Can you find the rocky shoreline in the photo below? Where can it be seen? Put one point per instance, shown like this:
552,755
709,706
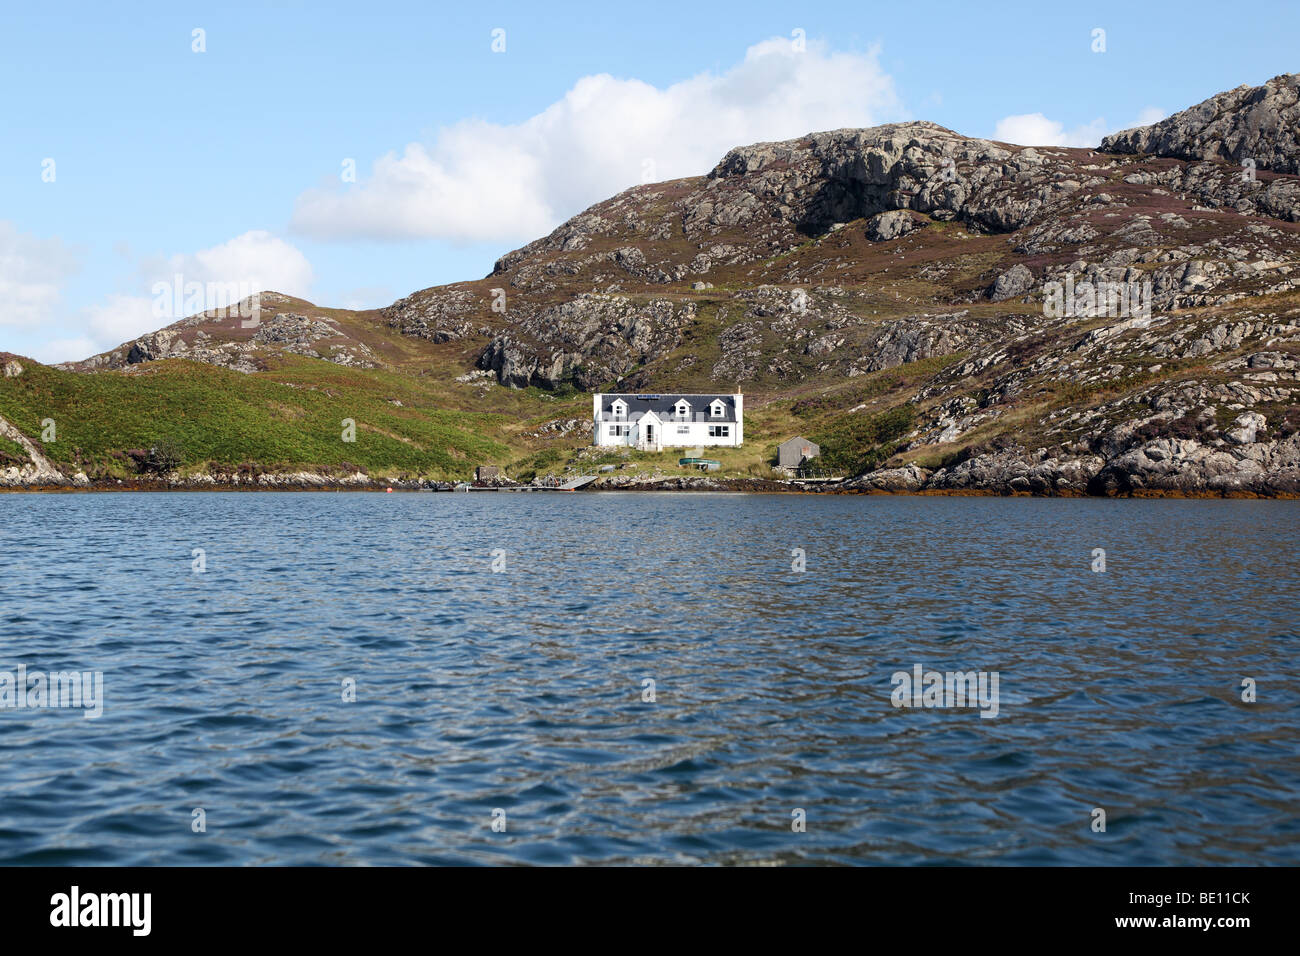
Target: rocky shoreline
1163,469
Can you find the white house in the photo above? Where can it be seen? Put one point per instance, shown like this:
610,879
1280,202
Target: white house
654,422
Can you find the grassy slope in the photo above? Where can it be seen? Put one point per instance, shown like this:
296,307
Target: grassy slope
287,418
291,418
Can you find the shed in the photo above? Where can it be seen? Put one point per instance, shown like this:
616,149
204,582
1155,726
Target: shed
794,452
486,472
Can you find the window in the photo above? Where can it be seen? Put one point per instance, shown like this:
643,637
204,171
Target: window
718,409
618,409
683,429
683,409
719,431
619,430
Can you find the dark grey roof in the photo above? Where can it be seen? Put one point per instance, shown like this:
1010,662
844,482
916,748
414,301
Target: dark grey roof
663,405
798,441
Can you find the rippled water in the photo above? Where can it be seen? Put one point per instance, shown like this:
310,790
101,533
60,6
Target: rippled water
523,690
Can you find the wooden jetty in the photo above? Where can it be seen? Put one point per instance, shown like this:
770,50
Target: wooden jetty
549,483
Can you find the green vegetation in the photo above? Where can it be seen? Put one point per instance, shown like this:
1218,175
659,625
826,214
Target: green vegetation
873,386
858,443
193,417
542,463
295,417
11,453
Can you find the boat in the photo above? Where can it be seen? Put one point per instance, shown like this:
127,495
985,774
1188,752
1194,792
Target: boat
703,464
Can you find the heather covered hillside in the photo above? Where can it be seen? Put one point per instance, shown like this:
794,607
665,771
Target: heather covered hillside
940,313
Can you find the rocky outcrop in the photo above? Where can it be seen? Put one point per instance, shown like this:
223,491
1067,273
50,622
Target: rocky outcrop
439,316
1163,466
521,364
908,478
1013,471
556,311
1257,125
1016,281
589,340
836,177
891,225
916,338
1188,467
38,471
240,340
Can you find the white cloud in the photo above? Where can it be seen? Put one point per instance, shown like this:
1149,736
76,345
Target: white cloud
114,321
486,181
1035,129
64,350
255,260
365,297
32,272
1152,114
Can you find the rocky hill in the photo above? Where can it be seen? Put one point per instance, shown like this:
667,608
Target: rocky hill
942,313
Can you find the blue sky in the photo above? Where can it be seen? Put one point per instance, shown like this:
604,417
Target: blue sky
228,164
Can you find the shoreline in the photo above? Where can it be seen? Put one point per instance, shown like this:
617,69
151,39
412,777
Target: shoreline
677,484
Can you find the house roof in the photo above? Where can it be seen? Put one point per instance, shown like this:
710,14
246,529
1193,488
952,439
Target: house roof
797,441
663,405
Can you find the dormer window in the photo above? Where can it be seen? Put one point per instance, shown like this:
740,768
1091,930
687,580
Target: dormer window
618,409
717,409
683,409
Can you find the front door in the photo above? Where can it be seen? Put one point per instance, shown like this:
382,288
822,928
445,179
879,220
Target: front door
649,434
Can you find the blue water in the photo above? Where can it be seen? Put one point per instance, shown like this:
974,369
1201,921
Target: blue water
522,690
